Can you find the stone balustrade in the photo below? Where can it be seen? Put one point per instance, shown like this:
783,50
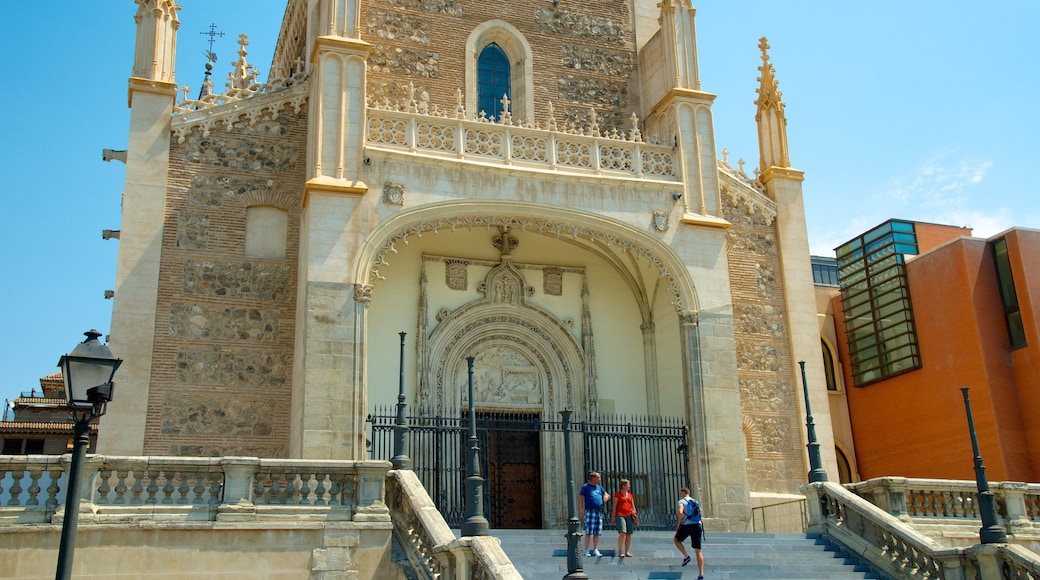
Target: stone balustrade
898,549
328,516
193,489
950,508
527,145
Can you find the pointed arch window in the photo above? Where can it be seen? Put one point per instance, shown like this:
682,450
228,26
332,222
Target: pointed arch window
493,80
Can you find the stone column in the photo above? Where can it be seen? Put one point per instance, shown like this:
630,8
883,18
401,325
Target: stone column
717,462
151,95
653,395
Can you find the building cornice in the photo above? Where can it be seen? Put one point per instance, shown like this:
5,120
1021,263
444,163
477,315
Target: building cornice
684,95
140,85
331,186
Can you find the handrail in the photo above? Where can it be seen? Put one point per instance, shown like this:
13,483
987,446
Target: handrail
897,549
431,547
803,514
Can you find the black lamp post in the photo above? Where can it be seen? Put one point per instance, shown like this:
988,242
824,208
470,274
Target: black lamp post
87,372
991,532
476,524
816,472
400,460
575,568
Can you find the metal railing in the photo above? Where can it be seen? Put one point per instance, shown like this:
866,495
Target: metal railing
651,452
786,516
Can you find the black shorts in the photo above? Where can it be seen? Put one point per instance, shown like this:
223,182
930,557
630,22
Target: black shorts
693,531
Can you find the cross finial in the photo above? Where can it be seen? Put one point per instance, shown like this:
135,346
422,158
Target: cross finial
243,42
725,155
764,46
212,34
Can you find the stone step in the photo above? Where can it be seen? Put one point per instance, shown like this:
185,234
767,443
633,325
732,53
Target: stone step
543,554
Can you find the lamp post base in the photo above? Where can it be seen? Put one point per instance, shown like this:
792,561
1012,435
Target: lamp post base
575,568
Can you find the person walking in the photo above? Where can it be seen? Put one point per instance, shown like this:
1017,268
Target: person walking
592,512
625,518
689,526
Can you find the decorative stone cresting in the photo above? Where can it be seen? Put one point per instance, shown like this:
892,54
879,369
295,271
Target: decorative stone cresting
205,112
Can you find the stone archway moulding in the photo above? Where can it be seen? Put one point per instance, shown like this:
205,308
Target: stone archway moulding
377,249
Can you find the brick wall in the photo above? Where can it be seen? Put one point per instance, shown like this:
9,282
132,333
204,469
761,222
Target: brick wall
583,53
768,401
225,322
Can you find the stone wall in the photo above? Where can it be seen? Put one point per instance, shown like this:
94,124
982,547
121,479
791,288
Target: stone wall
583,54
225,322
768,400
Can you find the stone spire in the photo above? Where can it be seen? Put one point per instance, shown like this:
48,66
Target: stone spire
679,34
244,74
772,124
154,53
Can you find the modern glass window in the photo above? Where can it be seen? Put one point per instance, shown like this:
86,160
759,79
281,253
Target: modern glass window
824,271
875,295
492,80
1008,295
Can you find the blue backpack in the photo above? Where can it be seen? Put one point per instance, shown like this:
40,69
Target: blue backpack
692,509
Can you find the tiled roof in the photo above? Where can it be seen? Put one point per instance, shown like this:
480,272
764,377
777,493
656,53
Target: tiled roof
30,427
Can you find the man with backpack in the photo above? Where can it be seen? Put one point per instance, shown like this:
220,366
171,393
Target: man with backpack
689,526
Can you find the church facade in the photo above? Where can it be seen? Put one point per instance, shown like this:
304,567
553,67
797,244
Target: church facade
534,185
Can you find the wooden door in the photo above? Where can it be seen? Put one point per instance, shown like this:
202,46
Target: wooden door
514,481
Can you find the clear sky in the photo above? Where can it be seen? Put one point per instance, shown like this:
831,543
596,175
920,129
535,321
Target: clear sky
920,110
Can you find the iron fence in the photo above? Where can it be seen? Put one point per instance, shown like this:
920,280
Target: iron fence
651,452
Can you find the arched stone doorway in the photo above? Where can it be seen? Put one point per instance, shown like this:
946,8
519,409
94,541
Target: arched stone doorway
531,359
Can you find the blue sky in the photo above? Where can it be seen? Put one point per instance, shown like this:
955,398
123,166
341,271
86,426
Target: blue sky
916,110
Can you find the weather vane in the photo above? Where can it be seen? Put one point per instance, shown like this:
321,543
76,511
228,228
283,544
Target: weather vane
212,34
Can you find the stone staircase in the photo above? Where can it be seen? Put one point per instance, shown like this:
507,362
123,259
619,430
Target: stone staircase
543,554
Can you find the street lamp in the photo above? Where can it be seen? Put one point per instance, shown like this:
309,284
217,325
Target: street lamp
476,524
575,563
87,373
991,532
816,472
400,460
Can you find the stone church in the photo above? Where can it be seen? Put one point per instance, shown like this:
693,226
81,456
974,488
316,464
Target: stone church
532,184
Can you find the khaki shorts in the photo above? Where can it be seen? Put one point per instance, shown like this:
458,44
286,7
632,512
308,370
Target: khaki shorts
625,524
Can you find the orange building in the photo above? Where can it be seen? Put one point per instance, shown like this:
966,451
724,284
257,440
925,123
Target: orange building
923,311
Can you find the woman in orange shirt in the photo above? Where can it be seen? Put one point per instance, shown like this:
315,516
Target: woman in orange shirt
625,518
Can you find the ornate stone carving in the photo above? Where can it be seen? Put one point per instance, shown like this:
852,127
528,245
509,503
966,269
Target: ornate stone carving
442,314
363,293
552,281
660,221
393,193
688,318
455,274
504,376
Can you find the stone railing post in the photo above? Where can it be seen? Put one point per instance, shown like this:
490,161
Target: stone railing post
88,484
814,498
953,564
370,492
1014,493
237,504
895,488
